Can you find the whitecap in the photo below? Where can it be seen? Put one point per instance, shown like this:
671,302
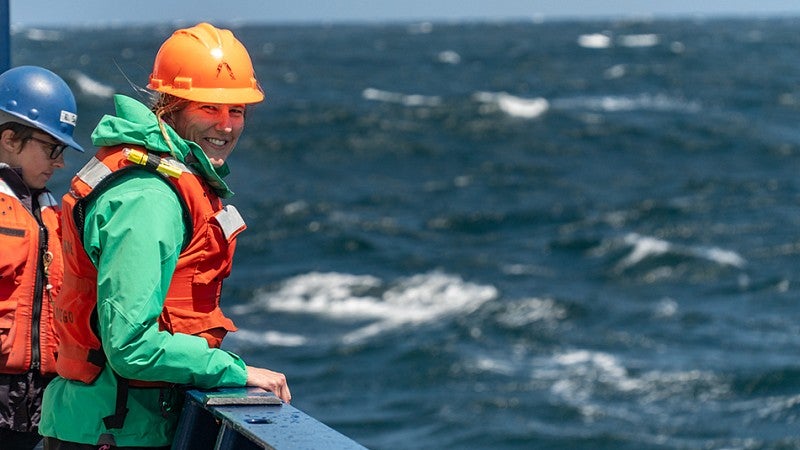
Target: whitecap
296,207
614,103
594,40
720,256
594,366
647,246
531,310
404,99
666,307
643,247
37,34
373,306
638,40
592,381
615,71
267,338
677,47
526,108
495,365
522,107
92,87
449,57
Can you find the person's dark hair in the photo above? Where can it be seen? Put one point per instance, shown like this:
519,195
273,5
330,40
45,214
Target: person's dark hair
21,132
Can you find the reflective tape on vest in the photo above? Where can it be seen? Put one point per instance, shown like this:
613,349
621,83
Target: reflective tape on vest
93,172
231,221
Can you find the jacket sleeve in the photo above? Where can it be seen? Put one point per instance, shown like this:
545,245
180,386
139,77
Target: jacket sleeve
133,233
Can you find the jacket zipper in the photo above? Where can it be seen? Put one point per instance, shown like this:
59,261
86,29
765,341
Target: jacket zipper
42,269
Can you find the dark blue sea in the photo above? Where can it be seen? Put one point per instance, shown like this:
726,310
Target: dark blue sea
509,235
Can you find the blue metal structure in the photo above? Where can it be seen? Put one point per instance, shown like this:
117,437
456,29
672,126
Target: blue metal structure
5,36
251,419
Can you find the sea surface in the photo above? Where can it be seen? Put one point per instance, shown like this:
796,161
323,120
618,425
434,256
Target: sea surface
509,235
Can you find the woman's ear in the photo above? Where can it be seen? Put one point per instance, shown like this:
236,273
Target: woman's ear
9,142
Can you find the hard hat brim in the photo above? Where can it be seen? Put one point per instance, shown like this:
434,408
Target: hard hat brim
214,95
6,116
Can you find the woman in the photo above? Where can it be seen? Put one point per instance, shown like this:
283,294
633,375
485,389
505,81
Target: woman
151,242
37,118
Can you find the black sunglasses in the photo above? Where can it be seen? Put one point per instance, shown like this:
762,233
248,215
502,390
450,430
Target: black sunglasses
56,149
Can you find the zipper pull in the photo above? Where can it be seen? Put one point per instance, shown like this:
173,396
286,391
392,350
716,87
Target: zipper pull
47,259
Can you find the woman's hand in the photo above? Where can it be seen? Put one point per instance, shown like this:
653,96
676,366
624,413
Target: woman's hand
274,382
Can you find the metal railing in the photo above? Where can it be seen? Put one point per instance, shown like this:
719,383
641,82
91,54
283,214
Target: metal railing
250,419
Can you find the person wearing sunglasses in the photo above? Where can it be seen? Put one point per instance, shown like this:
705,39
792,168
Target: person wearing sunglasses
37,117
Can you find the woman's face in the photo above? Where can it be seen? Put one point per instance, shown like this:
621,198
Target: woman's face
214,127
32,155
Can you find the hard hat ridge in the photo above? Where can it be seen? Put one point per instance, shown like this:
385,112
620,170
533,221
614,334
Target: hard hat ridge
205,64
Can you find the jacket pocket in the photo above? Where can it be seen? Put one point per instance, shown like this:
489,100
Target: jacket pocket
212,325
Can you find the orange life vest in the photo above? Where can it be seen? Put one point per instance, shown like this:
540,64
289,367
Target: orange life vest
31,271
192,302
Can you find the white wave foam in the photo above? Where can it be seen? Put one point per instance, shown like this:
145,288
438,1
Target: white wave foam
449,57
643,247
37,34
267,338
646,247
494,365
594,40
415,300
606,40
615,71
92,87
531,310
526,108
724,257
666,307
776,407
590,381
638,40
677,47
612,103
404,99
578,374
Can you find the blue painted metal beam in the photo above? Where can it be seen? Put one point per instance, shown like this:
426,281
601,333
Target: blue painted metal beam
251,419
5,36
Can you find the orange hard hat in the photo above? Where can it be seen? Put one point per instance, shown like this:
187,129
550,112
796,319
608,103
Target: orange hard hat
205,64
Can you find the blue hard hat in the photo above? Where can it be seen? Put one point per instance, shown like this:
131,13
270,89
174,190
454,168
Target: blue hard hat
37,97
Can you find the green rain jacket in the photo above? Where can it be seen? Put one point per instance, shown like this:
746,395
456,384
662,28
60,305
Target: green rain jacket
136,254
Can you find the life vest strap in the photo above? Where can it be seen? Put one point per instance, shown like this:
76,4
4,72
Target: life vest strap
117,420
96,357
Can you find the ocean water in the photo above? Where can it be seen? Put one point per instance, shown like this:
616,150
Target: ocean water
509,235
